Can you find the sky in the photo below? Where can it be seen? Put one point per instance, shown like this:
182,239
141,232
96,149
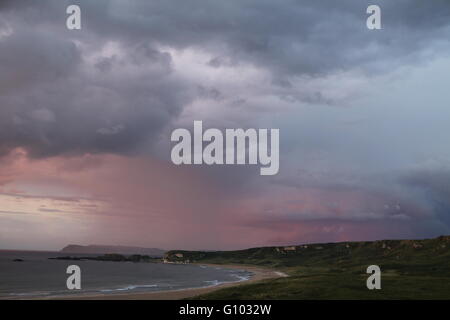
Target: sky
86,118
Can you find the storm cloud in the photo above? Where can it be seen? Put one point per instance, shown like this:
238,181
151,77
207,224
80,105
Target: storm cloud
61,91
363,116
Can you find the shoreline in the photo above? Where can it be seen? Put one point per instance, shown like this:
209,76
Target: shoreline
258,274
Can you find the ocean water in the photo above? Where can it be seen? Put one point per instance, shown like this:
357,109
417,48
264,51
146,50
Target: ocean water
37,276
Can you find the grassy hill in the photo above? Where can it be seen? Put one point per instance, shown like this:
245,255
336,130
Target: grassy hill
411,269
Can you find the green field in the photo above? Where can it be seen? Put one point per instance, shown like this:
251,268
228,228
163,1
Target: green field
411,269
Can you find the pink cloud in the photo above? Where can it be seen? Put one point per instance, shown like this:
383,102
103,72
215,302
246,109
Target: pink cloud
143,201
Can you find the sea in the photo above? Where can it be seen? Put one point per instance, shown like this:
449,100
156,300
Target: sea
38,276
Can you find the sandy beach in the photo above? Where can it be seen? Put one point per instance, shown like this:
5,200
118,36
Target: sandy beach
258,275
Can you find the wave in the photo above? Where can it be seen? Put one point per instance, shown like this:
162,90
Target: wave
240,277
130,287
213,283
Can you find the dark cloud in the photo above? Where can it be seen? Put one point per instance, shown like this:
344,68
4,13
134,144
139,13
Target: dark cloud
435,187
54,101
32,58
61,94
293,37
290,38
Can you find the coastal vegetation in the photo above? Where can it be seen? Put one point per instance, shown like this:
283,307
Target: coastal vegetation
410,269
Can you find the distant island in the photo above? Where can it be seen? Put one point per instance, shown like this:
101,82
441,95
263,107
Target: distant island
124,250
113,257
